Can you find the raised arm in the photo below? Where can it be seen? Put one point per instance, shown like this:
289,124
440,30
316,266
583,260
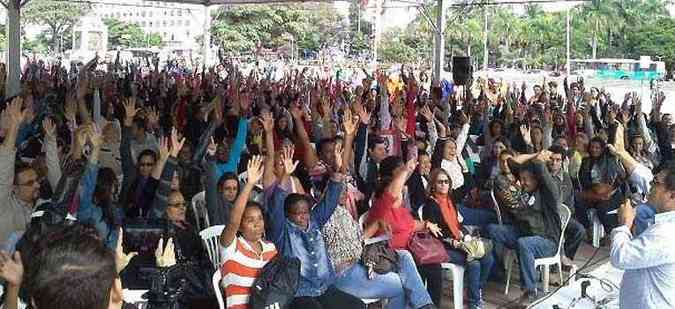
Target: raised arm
268,126
396,185
324,210
211,185
349,124
12,117
52,153
254,173
310,158
160,202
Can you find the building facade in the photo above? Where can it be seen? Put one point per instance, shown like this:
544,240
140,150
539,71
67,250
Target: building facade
178,24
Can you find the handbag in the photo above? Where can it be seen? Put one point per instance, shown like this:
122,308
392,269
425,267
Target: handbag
277,283
427,249
475,247
379,257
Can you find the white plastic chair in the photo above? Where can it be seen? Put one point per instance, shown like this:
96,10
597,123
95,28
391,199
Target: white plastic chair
457,272
217,276
545,262
211,236
495,206
362,224
199,210
598,230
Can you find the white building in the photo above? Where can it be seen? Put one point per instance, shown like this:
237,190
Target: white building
178,24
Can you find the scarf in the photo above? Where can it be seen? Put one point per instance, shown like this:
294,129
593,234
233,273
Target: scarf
449,214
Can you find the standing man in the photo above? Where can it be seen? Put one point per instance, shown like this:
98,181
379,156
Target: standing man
648,259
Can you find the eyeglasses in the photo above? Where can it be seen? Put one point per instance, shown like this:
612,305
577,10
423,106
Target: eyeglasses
443,181
230,188
146,164
177,205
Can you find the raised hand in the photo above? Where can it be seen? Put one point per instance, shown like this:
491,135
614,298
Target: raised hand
349,122
122,259
11,268
96,137
16,115
338,158
165,257
544,155
525,133
426,113
70,109
267,121
287,158
255,169
152,117
176,143
130,110
49,127
364,115
163,148
211,149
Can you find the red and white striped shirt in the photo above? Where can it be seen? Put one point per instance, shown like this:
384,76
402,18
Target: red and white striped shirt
241,266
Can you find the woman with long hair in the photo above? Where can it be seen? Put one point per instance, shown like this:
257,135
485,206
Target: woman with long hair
440,210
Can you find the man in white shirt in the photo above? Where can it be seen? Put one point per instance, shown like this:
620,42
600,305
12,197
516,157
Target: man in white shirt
649,258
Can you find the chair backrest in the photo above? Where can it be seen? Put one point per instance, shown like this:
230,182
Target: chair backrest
565,215
211,236
495,205
217,276
199,211
362,221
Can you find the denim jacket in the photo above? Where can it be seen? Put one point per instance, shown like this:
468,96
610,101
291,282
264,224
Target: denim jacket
316,271
90,213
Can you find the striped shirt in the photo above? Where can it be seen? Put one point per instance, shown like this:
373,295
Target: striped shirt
241,266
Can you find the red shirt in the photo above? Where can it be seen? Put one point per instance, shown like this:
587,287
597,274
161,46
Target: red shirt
399,218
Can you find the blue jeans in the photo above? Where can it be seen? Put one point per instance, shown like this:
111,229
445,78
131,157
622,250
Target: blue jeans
644,217
477,272
477,216
528,248
404,289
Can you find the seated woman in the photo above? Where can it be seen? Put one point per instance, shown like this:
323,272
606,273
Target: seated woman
244,251
344,243
296,224
440,210
388,207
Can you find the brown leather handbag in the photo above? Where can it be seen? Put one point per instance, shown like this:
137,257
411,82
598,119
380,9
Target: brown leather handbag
427,249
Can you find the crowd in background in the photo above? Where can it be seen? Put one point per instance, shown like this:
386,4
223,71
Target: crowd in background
311,167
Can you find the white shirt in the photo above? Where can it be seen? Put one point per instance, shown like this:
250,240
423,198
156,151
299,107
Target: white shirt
648,261
453,167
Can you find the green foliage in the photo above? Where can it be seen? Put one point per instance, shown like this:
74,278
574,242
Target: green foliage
311,26
130,35
58,16
656,38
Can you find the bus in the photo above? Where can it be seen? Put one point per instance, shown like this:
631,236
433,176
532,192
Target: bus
627,69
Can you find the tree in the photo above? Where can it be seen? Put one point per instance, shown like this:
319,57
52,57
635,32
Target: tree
655,39
312,26
130,35
58,16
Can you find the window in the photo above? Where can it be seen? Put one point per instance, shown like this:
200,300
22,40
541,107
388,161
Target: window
187,23
172,23
150,14
171,13
150,24
143,23
179,12
187,33
164,12
180,23
164,23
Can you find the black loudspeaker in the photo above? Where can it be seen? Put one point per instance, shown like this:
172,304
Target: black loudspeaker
461,69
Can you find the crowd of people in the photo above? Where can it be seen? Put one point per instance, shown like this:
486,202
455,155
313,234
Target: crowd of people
314,168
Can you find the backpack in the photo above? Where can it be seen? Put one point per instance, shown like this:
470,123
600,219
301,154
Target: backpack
277,283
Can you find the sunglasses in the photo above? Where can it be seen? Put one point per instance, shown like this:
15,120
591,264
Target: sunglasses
443,181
